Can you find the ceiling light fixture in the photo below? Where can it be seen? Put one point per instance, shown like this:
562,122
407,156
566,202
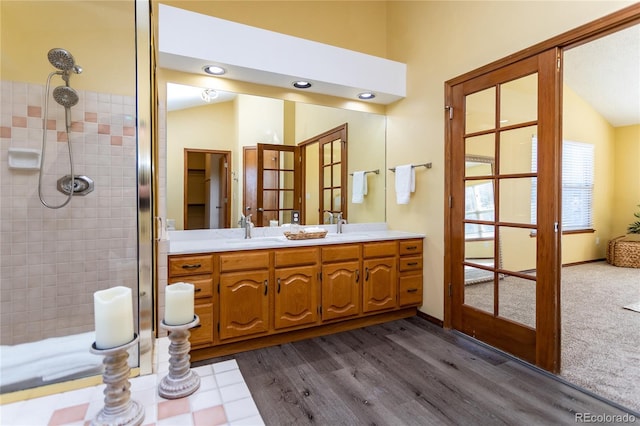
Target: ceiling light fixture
366,95
208,95
214,70
301,84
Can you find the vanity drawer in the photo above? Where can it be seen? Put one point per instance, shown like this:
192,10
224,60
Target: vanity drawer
379,249
410,289
190,265
410,263
341,252
243,261
408,247
295,257
203,284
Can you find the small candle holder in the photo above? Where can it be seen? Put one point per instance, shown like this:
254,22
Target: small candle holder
119,408
181,380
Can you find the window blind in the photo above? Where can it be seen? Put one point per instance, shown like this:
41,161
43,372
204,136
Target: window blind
577,184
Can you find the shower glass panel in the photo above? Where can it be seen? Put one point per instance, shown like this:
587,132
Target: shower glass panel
54,260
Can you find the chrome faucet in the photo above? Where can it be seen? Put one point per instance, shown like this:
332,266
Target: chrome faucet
330,216
247,226
339,223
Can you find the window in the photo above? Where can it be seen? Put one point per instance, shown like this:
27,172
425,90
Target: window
577,185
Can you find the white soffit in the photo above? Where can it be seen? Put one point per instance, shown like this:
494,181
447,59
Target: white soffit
188,41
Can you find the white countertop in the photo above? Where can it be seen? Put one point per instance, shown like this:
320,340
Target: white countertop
219,240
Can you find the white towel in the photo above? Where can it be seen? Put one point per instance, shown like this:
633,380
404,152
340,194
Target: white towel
359,187
405,183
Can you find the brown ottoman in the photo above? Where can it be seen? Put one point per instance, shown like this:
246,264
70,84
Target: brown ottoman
623,253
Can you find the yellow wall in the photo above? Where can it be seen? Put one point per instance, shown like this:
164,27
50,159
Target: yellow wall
99,34
354,25
581,123
626,195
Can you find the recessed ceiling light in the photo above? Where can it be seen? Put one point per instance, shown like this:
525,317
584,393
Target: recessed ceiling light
301,84
214,70
366,95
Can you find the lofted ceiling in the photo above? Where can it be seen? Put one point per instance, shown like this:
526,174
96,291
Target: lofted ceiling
606,74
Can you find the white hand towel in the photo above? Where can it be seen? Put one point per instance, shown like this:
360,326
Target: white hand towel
405,183
359,187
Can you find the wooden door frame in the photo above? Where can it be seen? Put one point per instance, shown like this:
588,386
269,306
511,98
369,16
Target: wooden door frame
549,356
227,156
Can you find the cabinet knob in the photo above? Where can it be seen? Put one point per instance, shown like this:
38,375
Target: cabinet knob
357,275
278,285
412,263
266,286
412,290
366,274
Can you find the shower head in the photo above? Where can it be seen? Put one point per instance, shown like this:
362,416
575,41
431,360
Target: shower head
65,96
63,60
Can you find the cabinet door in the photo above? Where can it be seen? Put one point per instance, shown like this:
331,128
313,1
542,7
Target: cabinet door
244,303
340,290
296,299
380,284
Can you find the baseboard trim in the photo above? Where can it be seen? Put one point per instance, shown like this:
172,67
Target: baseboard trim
431,319
584,262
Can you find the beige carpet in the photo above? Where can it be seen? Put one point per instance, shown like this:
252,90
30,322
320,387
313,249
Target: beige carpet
600,337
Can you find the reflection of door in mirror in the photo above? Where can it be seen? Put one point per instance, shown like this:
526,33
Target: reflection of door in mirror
271,183
206,189
325,176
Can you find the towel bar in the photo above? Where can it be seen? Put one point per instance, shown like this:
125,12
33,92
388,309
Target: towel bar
376,171
413,166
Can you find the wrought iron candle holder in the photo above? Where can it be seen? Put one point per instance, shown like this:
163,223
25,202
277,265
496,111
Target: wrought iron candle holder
181,380
119,408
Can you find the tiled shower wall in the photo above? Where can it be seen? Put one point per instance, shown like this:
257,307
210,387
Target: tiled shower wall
52,261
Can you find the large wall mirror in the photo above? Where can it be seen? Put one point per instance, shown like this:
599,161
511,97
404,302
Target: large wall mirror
210,138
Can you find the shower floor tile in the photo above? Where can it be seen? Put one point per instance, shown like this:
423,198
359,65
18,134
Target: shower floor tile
222,399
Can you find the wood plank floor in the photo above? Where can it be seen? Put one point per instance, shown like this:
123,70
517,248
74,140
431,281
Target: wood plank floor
406,372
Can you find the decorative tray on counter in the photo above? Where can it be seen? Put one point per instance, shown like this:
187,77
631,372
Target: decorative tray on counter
305,235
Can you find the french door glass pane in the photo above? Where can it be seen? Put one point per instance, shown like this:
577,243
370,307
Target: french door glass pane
479,288
337,150
515,200
519,101
480,148
517,299
517,250
515,147
480,110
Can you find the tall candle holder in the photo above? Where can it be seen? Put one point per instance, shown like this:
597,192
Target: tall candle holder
119,408
181,380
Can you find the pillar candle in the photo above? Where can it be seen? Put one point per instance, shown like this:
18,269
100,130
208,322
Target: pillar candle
113,310
178,307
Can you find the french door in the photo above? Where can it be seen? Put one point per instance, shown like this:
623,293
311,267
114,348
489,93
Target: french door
278,183
503,238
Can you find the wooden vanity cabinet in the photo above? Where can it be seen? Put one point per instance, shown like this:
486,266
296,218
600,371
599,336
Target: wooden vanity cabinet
197,270
244,294
380,285
410,267
255,298
341,281
296,287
